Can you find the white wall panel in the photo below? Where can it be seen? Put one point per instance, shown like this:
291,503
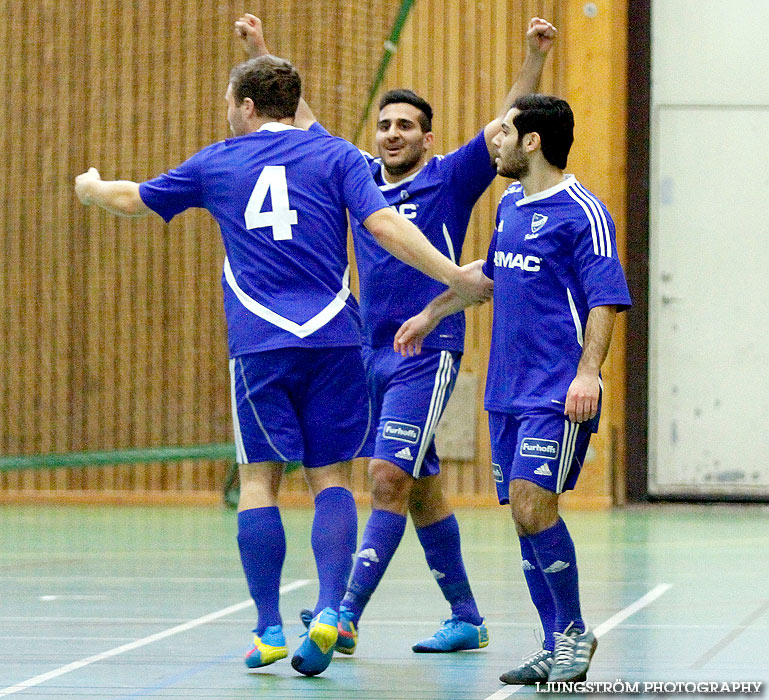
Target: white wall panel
710,52
709,247
709,301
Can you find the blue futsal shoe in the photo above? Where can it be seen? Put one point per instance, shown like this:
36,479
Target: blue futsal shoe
268,648
347,638
314,654
454,635
306,615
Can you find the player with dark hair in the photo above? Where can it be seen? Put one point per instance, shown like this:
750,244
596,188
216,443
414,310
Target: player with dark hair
409,97
280,195
409,395
558,285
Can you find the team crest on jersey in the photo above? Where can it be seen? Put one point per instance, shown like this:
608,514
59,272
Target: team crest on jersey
537,222
401,431
541,449
496,470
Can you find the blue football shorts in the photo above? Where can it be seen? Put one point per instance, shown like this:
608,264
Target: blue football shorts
541,446
409,395
308,405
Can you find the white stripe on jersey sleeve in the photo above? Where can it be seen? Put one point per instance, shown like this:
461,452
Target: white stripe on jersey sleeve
588,214
575,316
299,330
599,208
449,245
598,225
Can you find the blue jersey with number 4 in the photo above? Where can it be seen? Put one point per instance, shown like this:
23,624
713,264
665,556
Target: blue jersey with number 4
280,197
553,257
439,199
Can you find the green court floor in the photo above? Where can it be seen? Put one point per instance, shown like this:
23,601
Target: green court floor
122,603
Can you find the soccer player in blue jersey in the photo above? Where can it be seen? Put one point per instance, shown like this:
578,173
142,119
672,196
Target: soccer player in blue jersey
558,285
280,195
409,394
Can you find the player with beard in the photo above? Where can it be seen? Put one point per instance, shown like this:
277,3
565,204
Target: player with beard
558,285
409,394
281,197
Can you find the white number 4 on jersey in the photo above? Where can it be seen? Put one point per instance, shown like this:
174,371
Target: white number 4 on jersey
273,180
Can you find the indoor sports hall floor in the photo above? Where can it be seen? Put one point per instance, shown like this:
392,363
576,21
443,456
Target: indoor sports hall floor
124,603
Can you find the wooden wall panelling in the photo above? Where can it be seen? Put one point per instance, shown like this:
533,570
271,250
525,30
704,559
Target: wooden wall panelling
154,299
595,87
477,84
57,249
9,272
212,102
127,348
167,133
40,220
190,237
462,101
349,113
141,399
72,97
127,314
212,375
29,143
113,232
87,221
449,113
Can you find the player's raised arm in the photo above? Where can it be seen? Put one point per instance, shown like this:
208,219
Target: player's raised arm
540,38
249,29
406,242
119,197
409,337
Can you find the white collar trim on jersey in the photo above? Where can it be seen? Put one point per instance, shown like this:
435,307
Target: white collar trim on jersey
392,185
549,192
277,126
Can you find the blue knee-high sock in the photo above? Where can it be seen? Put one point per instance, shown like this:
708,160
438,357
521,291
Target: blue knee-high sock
381,538
555,554
262,544
539,591
443,551
334,536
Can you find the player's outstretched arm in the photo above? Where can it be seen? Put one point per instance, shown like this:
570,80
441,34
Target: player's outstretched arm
120,197
409,337
405,241
249,29
540,38
584,391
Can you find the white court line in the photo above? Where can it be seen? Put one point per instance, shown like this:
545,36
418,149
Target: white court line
75,665
603,628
